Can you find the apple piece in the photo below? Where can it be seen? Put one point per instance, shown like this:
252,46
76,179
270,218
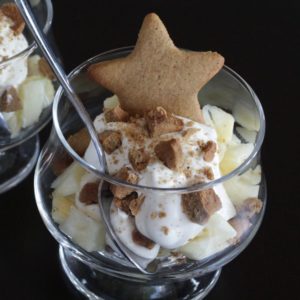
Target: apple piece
252,176
61,207
68,183
222,121
89,234
238,190
248,135
234,156
111,102
13,122
33,65
36,93
235,140
213,238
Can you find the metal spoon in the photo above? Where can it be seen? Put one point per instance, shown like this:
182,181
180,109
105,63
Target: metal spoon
76,102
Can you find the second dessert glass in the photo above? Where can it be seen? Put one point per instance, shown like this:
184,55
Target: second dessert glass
19,147
104,274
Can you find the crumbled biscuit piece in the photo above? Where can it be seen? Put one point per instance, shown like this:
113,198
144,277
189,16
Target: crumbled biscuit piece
110,140
89,193
60,162
45,69
117,114
209,149
10,100
189,132
11,11
170,153
141,240
162,214
160,122
165,230
124,204
199,206
139,158
135,205
79,141
249,207
125,174
241,225
208,172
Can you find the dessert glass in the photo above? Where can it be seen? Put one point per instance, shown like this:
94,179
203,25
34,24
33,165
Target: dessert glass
104,274
19,152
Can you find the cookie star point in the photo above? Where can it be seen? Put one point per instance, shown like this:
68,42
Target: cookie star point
157,73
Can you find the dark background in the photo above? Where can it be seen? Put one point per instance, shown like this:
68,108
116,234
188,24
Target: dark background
259,40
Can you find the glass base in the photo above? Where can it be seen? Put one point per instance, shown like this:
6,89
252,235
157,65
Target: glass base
16,163
94,284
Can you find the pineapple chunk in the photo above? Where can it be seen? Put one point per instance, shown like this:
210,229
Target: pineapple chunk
239,188
68,183
214,238
83,230
61,208
234,156
111,102
219,119
36,93
248,135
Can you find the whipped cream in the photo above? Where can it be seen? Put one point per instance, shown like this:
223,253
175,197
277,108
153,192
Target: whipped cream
11,44
160,217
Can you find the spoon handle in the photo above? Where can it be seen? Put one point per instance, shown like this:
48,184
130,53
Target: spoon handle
41,40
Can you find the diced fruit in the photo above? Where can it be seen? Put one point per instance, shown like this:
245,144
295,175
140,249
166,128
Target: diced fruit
246,116
68,182
248,135
33,65
13,122
214,238
222,121
252,176
61,207
221,150
235,140
234,156
36,93
83,230
111,102
239,188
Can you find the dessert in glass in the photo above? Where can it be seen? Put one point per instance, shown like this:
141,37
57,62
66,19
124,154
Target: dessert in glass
185,185
27,88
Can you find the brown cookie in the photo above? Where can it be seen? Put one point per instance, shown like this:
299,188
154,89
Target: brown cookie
157,73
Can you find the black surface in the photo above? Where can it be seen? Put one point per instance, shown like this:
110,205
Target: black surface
261,42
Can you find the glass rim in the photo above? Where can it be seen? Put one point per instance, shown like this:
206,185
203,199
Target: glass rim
31,47
181,190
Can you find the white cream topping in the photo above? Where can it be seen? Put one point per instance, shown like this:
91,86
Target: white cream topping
10,44
160,217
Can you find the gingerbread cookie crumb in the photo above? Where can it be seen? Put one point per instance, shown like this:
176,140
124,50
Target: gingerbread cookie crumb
89,193
125,174
160,122
116,114
170,153
110,140
139,158
11,11
141,240
209,149
250,207
10,101
199,206
45,69
79,141
124,204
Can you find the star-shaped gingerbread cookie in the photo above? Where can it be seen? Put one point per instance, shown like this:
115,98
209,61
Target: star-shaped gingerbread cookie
157,73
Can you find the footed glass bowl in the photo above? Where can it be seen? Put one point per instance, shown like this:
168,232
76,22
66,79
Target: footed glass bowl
103,273
19,143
